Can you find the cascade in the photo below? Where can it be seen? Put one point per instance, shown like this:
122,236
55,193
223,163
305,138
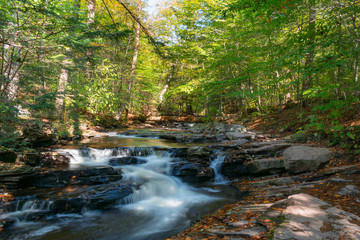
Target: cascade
216,164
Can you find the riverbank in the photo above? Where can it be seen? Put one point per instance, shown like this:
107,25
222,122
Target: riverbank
259,165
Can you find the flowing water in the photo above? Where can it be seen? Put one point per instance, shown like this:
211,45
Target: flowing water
160,205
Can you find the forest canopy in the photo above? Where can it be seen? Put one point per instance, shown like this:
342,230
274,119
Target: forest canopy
63,60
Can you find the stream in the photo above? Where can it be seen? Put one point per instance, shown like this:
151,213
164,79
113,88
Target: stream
143,199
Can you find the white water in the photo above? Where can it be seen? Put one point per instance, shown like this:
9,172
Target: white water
160,206
216,165
161,200
92,157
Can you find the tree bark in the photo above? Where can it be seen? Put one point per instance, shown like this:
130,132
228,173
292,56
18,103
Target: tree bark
132,72
63,81
310,44
91,11
161,99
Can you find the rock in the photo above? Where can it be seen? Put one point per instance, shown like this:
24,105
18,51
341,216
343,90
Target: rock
350,190
269,150
45,140
261,166
240,141
198,152
238,224
234,168
192,172
307,217
17,177
54,159
178,152
246,233
274,182
92,176
299,159
7,156
239,135
31,159
125,161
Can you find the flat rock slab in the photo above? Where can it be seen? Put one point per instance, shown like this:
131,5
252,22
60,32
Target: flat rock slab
239,135
269,149
270,165
299,159
307,217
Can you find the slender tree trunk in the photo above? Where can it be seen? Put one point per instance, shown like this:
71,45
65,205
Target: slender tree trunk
63,81
310,44
91,19
91,11
167,83
132,73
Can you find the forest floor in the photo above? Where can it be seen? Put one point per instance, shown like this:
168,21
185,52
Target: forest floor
325,184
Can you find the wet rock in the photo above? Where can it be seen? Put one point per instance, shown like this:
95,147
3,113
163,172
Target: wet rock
54,159
17,177
7,156
266,166
92,176
192,172
125,161
178,152
92,198
234,168
198,152
307,217
299,159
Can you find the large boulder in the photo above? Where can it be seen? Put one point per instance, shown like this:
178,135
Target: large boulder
266,166
239,135
299,159
307,217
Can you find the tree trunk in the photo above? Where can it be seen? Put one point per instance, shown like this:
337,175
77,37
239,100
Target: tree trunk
132,73
63,81
91,11
161,99
91,19
310,44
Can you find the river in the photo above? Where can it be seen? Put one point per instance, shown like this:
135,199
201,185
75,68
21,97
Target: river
160,205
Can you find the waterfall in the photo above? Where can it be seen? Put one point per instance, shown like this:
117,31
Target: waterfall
162,200
216,164
100,157
25,208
